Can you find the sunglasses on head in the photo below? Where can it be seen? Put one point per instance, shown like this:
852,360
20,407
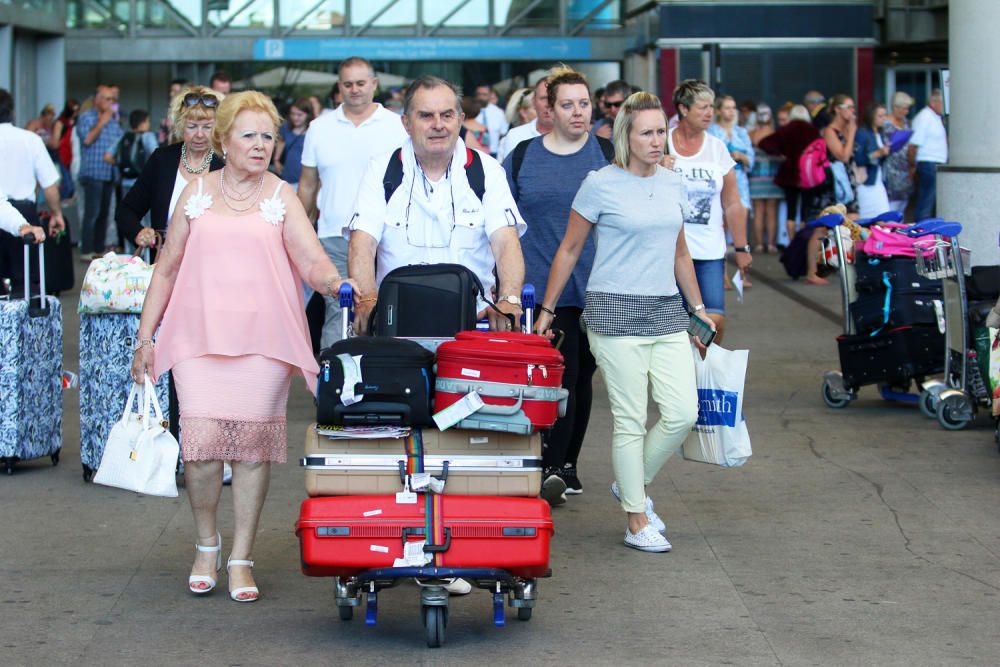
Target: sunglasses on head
207,101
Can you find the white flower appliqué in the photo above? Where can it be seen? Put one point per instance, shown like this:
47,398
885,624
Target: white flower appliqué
197,204
273,210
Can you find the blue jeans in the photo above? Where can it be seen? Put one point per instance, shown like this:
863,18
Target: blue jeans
711,274
96,207
926,189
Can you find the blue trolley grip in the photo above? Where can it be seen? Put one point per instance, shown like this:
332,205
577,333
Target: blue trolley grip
347,307
528,305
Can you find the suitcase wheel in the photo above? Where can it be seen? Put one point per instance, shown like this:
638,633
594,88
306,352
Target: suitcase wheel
88,473
8,464
346,612
55,458
435,620
524,613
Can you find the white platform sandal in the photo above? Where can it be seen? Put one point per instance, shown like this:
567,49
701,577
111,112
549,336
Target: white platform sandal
245,590
200,578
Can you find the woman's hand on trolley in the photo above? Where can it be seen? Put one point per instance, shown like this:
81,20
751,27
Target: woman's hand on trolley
543,324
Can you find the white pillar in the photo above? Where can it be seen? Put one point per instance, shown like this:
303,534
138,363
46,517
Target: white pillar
51,71
969,185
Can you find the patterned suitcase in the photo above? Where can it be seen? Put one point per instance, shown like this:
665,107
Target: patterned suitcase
31,350
107,341
346,535
480,463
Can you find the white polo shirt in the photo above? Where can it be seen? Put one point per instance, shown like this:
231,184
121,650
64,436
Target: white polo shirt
495,121
516,136
340,152
433,223
25,164
11,219
929,137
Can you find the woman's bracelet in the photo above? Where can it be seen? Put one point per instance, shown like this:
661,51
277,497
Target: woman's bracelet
329,284
542,308
143,342
368,299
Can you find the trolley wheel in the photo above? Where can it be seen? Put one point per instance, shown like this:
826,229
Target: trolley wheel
55,458
435,620
524,613
832,401
928,404
954,412
346,612
8,464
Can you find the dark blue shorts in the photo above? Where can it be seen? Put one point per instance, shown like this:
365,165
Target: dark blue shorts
711,273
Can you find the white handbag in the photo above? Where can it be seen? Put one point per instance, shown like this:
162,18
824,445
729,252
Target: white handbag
140,454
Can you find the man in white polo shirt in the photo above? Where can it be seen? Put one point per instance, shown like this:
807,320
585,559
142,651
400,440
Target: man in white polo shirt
928,148
338,147
434,215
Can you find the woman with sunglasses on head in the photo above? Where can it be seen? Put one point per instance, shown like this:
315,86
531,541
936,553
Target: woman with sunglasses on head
170,168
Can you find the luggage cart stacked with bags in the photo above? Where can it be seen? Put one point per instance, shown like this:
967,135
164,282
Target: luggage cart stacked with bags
425,463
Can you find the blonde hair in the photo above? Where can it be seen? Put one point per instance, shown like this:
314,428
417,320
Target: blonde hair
635,103
519,99
180,114
233,105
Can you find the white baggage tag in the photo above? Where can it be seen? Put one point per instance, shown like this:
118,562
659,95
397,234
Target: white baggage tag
456,412
406,497
413,554
420,481
352,376
437,485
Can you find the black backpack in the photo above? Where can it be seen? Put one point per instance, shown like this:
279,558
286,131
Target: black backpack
473,171
131,155
517,156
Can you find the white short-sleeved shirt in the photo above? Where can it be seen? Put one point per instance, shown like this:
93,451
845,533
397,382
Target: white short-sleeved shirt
930,137
417,227
703,175
516,136
495,121
26,163
340,152
11,219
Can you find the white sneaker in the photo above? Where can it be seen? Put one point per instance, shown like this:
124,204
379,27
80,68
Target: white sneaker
647,539
227,473
654,519
458,587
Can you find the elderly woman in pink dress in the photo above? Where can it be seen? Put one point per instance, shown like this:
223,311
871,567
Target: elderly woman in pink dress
226,295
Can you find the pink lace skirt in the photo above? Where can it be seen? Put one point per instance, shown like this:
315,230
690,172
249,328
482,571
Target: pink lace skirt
233,408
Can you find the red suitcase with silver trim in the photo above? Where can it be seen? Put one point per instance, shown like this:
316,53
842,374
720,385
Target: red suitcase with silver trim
518,376
346,535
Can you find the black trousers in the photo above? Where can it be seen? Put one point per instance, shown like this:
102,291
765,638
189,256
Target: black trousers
565,439
12,252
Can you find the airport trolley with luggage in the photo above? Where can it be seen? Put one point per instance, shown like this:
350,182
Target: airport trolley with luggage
383,511
890,333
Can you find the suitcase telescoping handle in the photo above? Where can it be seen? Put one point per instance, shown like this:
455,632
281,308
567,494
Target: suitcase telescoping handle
346,307
42,308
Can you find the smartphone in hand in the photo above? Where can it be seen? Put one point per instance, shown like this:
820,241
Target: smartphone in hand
699,328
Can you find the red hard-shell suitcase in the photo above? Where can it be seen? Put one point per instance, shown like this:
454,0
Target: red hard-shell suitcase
343,536
506,372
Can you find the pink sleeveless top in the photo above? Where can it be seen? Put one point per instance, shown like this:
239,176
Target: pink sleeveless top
237,292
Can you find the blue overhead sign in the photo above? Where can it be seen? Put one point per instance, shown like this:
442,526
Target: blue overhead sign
424,48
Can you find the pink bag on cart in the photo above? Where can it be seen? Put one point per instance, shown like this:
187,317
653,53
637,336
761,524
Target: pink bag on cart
884,240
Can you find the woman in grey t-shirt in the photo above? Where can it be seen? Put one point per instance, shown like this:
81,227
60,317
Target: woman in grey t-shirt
634,313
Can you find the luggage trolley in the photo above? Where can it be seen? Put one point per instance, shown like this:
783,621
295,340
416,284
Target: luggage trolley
515,588
954,404
891,359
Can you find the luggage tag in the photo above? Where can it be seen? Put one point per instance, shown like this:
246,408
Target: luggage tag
456,412
419,481
437,485
939,314
406,496
414,555
352,376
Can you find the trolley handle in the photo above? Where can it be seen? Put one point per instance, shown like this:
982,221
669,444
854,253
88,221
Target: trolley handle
888,216
346,298
830,221
935,226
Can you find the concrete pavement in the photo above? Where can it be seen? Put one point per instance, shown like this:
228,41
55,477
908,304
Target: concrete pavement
867,536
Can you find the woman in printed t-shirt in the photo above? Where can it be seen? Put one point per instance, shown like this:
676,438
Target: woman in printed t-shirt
711,190
635,319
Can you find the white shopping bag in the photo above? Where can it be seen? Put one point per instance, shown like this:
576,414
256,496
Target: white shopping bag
720,436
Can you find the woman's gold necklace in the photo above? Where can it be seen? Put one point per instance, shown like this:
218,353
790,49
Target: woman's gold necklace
226,197
204,163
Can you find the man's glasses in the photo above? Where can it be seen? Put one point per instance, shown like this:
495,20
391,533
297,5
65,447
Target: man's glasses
613,105
207,101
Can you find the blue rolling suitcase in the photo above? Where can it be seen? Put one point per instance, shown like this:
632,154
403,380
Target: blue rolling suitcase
107,342
31,351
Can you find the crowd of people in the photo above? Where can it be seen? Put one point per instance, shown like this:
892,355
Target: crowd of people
577,183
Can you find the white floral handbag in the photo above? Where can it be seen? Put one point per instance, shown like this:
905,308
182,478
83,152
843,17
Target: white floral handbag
141,455
115,284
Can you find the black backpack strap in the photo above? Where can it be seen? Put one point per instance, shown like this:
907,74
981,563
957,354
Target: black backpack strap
516,158
607,147
393,174
474,172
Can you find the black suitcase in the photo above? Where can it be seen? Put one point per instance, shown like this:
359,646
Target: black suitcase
59,273
427,301
870,274
397,377
894,356
906,307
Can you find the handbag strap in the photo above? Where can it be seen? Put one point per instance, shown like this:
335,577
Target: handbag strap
136,388
149,399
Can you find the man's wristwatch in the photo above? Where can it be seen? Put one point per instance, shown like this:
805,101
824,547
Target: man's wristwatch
515,300
745,248
700,306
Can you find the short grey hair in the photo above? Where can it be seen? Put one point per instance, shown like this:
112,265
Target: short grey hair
689,91
936,95
356,60
799,112
901,99
427,82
